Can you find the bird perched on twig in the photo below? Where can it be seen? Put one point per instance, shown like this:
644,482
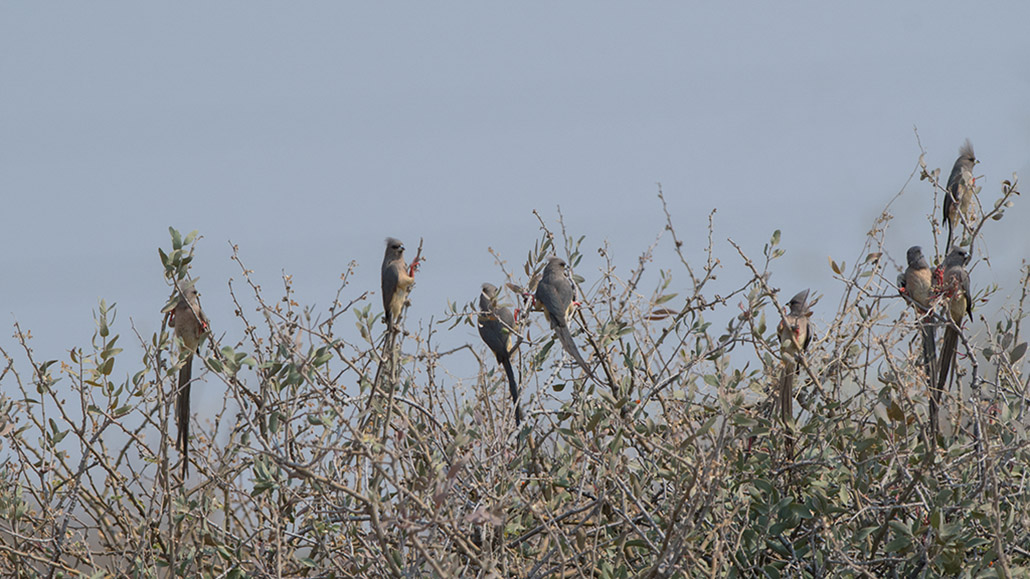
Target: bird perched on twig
496,325
960,188
795,334
397,279
954,287
916,285
555,293
191,327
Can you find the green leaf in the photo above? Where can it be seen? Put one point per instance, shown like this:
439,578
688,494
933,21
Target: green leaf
1017,353
744,421
107,367
322,355
895,413
935,519
899,527
898,543
176,238
763,485
664,298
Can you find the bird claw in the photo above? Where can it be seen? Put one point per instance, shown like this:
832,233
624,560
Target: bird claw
415,263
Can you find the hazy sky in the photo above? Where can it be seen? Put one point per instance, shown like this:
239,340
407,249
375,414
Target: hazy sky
307,132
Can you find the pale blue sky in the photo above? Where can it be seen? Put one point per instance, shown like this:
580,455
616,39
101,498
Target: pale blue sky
308,132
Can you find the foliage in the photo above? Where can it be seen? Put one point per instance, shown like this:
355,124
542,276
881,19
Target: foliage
337,458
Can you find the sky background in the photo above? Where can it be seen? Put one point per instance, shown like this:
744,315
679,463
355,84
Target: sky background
306,133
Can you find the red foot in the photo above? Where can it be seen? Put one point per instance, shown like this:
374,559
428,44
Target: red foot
414,266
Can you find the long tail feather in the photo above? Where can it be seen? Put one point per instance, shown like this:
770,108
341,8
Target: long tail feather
787,405
948,347
182,413
929,352
513,387
565,337
930,364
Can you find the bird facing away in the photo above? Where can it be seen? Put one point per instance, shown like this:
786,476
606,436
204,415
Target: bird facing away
795,334
191,327
916,284
954,287
960,188
496,324
396,281
554,293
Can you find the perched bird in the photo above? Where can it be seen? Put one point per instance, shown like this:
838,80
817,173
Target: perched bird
396,280
496,324
554,293
916,284
795,334
191,327
960,188
954,286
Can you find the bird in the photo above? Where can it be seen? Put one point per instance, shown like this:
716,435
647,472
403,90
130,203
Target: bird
795,334
960,188
191,327
916,284
397,278
954,287
554,293
496,325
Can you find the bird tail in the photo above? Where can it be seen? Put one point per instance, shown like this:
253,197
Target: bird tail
513,387
182,413
929,351
565,337
948,347
787,405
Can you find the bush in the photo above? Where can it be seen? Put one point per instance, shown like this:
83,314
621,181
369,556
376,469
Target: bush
331,458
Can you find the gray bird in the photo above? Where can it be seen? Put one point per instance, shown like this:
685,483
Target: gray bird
191,327
916,284
396,281
496,324
955,289
554,293
960,188
795,334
